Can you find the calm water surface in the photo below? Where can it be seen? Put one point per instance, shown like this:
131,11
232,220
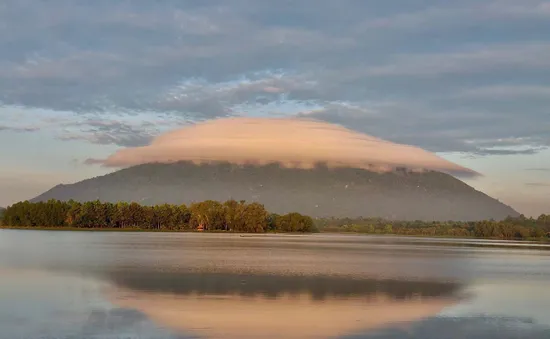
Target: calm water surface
168,285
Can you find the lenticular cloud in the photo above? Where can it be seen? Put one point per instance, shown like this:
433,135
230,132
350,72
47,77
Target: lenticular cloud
290,142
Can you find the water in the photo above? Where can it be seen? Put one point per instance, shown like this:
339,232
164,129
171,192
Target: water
169,285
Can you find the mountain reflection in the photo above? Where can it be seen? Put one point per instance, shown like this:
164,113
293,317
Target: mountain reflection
273,286
226,305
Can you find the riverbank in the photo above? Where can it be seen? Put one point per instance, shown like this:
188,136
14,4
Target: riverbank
470,241
77,229
141,230
450,237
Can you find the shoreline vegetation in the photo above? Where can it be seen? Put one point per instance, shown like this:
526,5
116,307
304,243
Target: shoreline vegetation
241,217
209,215
520,228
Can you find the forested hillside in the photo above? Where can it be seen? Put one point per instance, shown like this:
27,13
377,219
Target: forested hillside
318,192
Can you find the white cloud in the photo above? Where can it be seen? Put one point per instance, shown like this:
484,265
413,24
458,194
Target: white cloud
291,142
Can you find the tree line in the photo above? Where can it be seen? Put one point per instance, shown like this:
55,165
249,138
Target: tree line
239,216
231,216
521,228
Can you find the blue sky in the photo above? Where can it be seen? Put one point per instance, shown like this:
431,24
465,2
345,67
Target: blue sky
469,80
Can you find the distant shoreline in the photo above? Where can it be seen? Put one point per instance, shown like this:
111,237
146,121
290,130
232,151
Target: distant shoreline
240,217
95,229
144,230
251,235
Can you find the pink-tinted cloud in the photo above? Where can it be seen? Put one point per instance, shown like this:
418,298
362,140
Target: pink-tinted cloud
291,142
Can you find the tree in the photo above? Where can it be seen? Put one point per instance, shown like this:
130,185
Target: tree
238,216
182,217
207,215
233,215
272,220
294,222
254,218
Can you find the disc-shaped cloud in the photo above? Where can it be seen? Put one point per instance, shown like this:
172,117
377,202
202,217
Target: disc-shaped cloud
291,142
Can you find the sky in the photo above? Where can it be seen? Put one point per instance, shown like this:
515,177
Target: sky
468,80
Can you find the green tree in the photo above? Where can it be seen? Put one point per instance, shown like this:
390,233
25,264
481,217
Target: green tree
254,218
208,215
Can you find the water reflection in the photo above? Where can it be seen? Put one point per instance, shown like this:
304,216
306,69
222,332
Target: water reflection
36,304
110,285
285,316
479,327
225,305
318,288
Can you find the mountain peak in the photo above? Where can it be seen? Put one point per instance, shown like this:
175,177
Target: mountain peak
319,192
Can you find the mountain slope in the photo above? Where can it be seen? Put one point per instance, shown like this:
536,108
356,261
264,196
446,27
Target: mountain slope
319,192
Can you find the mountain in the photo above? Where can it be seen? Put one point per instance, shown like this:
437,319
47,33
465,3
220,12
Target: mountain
318,192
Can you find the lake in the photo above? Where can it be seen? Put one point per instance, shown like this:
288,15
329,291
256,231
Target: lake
57,284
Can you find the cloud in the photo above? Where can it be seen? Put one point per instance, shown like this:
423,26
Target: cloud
439,131
506,92
538,184
18,129
431,74
92,161
291,142
488,151
207,100
474,13
107,132
128,132
542,169
476,59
